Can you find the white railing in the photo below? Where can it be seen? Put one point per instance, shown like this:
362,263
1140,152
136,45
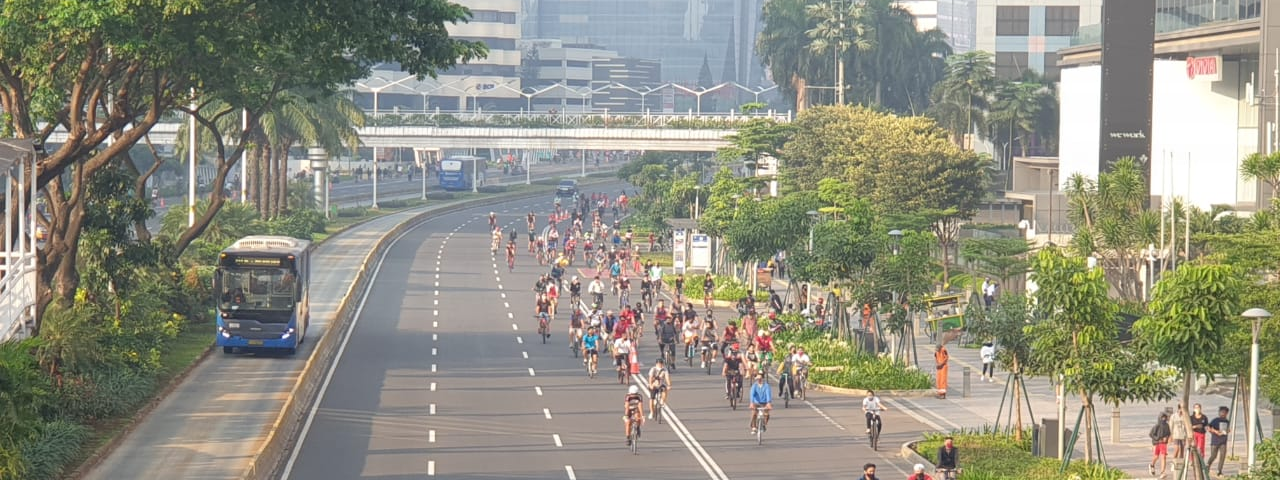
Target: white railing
570,119
17,297
18,254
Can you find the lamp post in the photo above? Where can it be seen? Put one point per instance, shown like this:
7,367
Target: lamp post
808,293
896,247
697,200
1257,315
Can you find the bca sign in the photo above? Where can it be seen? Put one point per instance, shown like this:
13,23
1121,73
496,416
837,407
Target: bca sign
1205,68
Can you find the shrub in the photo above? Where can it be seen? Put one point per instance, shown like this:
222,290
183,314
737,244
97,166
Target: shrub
1268,461
352,212
440,195
492,188
859,370
104,394
999,457
394,203
728,289
53,449
23,395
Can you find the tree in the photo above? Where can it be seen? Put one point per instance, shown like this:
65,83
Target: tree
1002,258
761,229
1190,317
23,393
1015,112
839,29
1265,168
961,96
1005,326
1076,337
1113,222
784,48
111,70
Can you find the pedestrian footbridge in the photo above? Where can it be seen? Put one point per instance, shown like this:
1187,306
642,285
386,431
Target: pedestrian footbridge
521,130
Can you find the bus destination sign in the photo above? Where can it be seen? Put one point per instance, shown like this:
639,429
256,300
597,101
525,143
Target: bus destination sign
258,261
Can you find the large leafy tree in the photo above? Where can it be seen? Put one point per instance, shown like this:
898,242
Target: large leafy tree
1002,258
1006,326
112,69
841,31
1190,317
1076,337
1113,222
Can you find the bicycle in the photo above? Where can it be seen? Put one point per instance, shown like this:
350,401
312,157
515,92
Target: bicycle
707,348
735,390
874,434
511,263
656,404
689,352
802,378
948,473
785,389
575,343
669,355
763,424
544,329
633,436
624,367
591,363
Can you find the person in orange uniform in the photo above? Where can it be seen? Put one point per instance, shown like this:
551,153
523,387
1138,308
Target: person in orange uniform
941,357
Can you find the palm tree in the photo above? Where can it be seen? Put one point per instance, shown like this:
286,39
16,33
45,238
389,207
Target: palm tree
839,28
967,86
1015,111
890,29
784,47
915,74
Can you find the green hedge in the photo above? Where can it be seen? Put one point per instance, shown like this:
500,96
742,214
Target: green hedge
860,371
987,455
728,289
50,452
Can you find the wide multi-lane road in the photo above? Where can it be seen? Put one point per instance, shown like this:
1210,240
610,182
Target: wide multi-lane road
443,374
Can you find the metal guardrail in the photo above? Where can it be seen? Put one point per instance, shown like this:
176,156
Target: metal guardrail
17,296
603,119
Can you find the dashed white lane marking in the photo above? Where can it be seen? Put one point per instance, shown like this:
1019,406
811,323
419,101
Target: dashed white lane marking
433,349
506,304
437,262
437,268
538,390
431,468
433,386
519,340
500,287
431,436
437,284
515,327
437,292
435,324
437,276
435,337
495,272
511,315
435,313
504,295
546,412
495,267
569,470
531,372
830,420
556,437
433,368
524,354
438,257
435,302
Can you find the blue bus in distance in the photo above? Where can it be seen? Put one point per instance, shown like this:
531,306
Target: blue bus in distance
458,173
261,286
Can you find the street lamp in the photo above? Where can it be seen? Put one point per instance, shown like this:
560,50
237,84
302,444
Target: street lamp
700,92
813,218
1257,315
378,90
896,236
697,200
895,246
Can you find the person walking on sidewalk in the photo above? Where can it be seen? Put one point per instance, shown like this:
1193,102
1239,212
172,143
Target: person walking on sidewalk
1198,423
1219,428
988,353
941,357
1160,444
1178,434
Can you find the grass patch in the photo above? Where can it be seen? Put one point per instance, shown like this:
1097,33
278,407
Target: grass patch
988,455
860,370
662,259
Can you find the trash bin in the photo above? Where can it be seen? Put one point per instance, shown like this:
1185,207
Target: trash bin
764,278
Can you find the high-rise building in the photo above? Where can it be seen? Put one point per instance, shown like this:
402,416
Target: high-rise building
1027,34
640,77
925,11
560,74
956,17
677,33
495,23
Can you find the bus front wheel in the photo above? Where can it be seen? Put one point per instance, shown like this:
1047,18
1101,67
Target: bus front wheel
228,350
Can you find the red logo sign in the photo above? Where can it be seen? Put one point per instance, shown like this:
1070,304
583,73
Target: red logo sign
1204,67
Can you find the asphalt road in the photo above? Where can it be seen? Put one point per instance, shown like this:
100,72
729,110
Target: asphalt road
444,375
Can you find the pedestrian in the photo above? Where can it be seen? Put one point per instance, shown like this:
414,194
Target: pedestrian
1179,434
1198,423
1219,428
941,357
986,287
869,472
988,353
918,473
1159,434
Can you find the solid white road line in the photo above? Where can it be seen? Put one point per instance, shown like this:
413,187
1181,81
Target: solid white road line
342,348
546,412
556,437
569,470
704,459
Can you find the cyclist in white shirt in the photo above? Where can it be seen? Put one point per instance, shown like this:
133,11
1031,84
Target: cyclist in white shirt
659,384
622,351
596,289
871,406
800,358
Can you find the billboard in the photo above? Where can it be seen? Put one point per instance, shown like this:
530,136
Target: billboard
678,251
700,252
1128,49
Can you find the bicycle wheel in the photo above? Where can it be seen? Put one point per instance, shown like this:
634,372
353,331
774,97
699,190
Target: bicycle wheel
635,435
735,392
759,429
785,391
875,434
800,386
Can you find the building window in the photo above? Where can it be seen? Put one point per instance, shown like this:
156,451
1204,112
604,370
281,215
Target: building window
1013,21
1061,21
1010,65
1052,72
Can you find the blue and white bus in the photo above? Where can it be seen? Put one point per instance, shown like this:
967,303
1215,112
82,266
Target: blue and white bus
261,284
460,172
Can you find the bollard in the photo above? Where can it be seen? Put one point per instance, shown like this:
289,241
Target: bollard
965,392
1115,426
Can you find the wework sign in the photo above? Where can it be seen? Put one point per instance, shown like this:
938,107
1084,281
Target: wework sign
1128,55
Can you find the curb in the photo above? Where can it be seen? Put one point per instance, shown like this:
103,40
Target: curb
856,392
286,428
909,453
106,450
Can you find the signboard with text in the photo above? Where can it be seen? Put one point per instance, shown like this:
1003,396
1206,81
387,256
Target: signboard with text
678,247
700,252
1128,55
1206,68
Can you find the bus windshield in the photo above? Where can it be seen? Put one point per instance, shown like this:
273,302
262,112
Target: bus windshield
451,166
257,289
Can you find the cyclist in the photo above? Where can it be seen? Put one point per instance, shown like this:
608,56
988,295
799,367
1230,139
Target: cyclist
761,399
730,336
764,345
575,291
512,235
624,292
732,370
532,243
543,307
679,287
529,219
667,335
918,473
646,290
497,240
689,332
511,254
786,372
590,353
659,384
708,288
708,338
948,458
596,289
627,317
661,314
622,353
632,405
871,407
553,292
576,323
493,220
